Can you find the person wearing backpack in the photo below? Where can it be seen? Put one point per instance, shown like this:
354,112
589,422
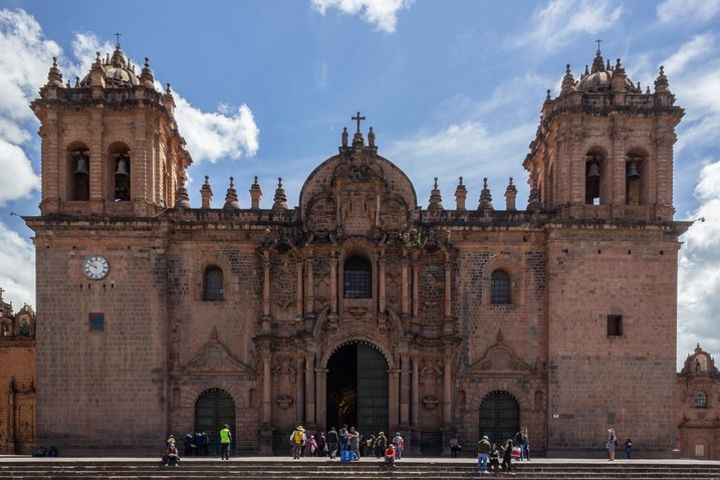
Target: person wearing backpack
332,442
297,441
483,449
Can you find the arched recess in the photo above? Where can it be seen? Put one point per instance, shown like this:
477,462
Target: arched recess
357,247
213,284
214,408
77,161
200,266
638,170
597,176
499,416
119,172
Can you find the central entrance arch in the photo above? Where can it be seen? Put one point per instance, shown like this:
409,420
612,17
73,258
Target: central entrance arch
499,416
357,388
213,409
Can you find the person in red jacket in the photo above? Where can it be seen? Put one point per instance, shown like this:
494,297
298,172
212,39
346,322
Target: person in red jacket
390,456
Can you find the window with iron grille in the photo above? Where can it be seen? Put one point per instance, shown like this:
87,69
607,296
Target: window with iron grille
97,322
500,288
614,325
213,284
358,278
700,400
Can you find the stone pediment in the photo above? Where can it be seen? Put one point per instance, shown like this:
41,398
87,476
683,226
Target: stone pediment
215,359
500,358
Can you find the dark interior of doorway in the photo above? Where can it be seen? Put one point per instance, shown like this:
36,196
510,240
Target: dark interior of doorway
342,387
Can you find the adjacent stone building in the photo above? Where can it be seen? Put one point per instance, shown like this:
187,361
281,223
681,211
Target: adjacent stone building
17,379
357,306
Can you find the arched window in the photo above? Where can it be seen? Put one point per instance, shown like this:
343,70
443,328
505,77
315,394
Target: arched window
213,284
120,168
594,166
499,287
358,278
79,174
700,400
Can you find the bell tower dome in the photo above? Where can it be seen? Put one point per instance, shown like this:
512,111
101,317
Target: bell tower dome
110,143
604,148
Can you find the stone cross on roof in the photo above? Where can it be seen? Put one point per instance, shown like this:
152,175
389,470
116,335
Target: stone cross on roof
357,118
117,39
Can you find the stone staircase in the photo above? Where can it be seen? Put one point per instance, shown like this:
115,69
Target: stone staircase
440,469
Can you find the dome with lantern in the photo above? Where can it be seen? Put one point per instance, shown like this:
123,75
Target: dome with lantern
599,78
117,70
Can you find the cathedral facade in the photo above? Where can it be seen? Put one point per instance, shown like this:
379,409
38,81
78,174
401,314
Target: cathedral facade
358,305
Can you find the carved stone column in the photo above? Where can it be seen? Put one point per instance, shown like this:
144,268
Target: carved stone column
266,429
447,388
299,292
415,406
381,281
405,301
300,392
309,286
404,390
310,389
393,400
266,292
333,282
415,289
448,285
321,388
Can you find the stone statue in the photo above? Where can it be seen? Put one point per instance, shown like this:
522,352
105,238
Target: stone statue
371,137
345,136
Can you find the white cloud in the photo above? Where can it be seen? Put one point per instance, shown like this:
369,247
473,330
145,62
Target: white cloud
25,56
699,270
381,13
687,11
560,21
212,136
17,277
466,149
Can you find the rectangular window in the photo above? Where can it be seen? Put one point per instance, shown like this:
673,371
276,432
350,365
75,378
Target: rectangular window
97,322
614,325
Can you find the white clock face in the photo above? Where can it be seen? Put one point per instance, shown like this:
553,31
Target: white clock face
96,267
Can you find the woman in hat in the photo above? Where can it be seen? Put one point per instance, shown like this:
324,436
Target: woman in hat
611,444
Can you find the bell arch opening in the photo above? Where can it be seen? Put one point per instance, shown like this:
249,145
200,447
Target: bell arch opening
357,388
213,409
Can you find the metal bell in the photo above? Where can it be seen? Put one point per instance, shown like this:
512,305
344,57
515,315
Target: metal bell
593,170
122,167
632,171
81,166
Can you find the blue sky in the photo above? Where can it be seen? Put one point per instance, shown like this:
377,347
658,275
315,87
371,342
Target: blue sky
452,88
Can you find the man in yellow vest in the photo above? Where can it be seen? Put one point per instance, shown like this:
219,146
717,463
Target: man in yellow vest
225,439
297,441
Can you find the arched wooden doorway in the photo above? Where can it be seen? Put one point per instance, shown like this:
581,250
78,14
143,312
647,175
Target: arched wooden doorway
213,409
499,416
357,389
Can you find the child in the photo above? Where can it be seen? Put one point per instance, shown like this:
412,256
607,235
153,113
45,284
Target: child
494,458
390,456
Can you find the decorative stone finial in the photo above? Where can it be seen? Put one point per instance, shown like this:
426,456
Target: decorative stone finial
231,197
280,200
460,195
255,194
485,197
214,333
510,196
182,199
534,202
435,204
54,75
568,81
146,76
168,89
206,193
548,98
661,82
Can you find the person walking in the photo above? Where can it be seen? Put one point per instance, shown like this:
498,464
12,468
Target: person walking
454,446
524,444
297,440
507,456
611,444
380,444
628,448
399,443
343,433
483,449
354,441
332,442
322,445
225,439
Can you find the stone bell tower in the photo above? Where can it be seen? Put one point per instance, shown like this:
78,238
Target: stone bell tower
604,148
110,144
